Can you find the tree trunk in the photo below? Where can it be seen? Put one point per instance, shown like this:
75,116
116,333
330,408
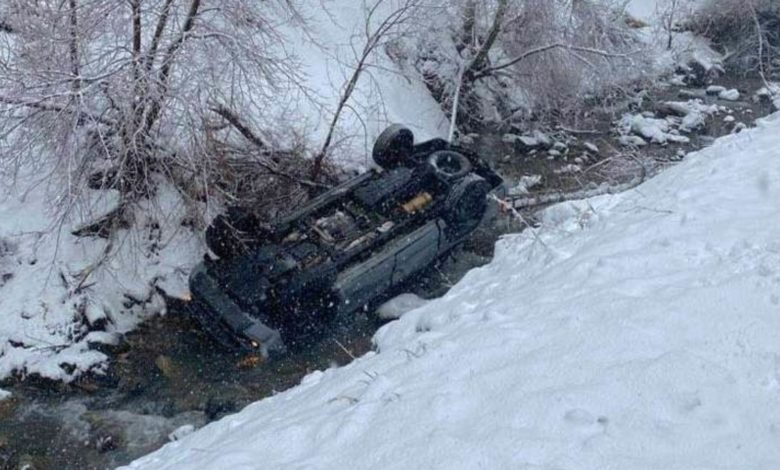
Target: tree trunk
73,47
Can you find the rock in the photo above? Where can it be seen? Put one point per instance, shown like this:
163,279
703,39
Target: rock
568,169
673,108
528,143
698,73
591,147
553,153
693,94
729,119
465,140
543,139
181,432
560,146
729,95
715,90
703,71
525,184
217,407
632,141
677,80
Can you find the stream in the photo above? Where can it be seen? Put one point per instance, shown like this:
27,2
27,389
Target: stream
168,378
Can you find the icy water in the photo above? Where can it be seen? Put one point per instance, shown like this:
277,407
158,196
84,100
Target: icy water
168,378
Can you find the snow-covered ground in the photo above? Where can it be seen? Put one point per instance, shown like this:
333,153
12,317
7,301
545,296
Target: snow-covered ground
631,331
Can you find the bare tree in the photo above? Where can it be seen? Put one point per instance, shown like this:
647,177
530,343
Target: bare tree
553,50
377,32
122,92
748,31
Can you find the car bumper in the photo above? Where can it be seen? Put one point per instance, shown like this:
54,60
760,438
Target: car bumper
224,320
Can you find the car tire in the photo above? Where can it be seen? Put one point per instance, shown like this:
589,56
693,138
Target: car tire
449,165
466,205
393,146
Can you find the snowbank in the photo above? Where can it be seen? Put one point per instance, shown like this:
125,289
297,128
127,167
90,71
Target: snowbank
631,331
59,296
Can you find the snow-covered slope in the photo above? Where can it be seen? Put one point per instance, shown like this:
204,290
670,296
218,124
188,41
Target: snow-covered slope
636,331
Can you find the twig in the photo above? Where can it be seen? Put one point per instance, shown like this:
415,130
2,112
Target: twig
343,348
507,206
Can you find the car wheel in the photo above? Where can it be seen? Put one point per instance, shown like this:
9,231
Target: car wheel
393,146
449,165
466,204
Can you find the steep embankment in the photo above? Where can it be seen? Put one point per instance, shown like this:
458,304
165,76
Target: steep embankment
631,331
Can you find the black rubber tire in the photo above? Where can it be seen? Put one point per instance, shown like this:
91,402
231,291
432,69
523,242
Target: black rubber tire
393,146
466,205
449,165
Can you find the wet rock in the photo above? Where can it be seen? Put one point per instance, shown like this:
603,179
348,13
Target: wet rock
135,433
692,94
538,140
673,108
715,90
107,443
510,138
181,432
678,80
219,406
591,147
631,141
702,73
729,95
738,127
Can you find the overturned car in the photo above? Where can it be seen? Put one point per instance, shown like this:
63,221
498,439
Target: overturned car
273,287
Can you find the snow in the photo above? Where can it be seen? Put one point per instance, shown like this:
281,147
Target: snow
181,432
525,184
772,92
399,306
659,131
4,394
386,93
49,308
629,331
694,113
729,95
